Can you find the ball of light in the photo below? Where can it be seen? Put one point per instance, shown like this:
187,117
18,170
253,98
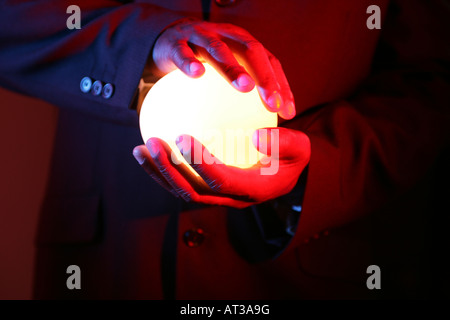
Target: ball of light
209,109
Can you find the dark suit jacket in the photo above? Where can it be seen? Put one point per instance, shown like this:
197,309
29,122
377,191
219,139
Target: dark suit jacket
377,127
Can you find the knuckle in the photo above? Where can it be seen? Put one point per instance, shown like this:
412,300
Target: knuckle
227,26
231,69
176,49
268,81
244,33
178,44
240,31
253,45
187,24
163,170
215,47
274,60
179,56
235,30
166,174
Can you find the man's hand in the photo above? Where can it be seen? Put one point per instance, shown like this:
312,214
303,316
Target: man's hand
226,185
239,57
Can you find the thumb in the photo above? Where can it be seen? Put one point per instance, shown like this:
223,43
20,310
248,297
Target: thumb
282,143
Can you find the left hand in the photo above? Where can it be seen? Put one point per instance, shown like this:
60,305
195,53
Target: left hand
288,151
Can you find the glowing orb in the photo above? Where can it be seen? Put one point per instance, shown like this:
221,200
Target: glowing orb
209,109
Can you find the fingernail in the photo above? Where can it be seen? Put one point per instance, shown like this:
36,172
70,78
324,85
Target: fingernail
152,148
275,101
194,67
290,110
138,156
245,81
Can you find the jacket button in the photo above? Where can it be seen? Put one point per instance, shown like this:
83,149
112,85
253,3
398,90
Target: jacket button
86,84
225,3
194,237
97,87
108,90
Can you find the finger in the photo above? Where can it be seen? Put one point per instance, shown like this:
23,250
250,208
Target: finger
283,143
202,193
253,55
184,59
186,186
226,180
142,155
288,109
190,188
177,175
182,181
202,161
219,55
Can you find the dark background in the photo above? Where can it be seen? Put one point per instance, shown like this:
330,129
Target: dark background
27,128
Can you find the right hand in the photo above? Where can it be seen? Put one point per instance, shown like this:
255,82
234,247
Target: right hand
239,57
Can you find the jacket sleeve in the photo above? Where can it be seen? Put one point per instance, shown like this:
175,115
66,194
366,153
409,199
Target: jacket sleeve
41,57
378,143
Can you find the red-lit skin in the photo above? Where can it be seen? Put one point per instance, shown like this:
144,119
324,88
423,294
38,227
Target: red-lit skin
244,62
227,185
238,56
